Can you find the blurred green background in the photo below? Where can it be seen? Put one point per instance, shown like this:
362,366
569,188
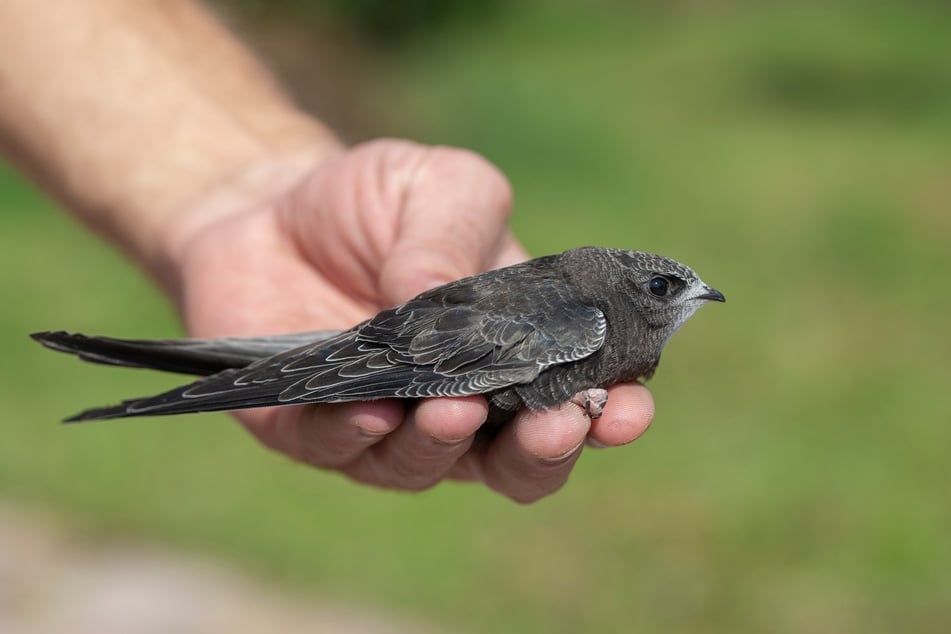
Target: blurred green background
798,155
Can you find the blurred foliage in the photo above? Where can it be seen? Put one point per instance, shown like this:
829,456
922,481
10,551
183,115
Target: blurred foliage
798,155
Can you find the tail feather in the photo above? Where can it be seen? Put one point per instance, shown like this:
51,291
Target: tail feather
200,357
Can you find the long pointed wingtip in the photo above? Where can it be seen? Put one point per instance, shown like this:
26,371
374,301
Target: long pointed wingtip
56,339
99,413
81,417
43,336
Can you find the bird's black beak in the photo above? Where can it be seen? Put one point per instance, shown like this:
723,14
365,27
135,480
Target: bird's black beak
711,295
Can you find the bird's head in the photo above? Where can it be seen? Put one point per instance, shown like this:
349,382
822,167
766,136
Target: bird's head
665,292
662,292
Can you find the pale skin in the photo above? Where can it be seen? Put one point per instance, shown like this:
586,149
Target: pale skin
157,129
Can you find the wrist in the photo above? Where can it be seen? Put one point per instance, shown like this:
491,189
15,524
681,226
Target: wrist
128,112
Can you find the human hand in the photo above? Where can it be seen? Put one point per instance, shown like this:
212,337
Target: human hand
289,244
326,244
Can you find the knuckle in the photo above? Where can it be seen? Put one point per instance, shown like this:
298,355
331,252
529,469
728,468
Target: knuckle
495,184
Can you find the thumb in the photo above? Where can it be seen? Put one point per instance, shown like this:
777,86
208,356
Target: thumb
453,223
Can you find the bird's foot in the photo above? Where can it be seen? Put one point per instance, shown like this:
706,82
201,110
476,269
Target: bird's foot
592,401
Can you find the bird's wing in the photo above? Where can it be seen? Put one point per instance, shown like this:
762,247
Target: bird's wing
421,349
448,344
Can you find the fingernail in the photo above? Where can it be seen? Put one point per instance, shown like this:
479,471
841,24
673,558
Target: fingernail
411,287
563,457
428,282
449,442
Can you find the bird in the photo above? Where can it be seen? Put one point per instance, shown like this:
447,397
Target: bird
556,329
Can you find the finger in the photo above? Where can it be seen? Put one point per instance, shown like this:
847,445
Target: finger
456,207
533,455
424,448
508,252
328,436
626,417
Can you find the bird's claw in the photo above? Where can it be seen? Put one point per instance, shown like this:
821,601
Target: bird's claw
592,401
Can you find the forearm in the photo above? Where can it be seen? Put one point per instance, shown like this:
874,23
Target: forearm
125,111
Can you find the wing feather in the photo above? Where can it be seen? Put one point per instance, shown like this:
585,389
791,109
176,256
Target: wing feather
473,337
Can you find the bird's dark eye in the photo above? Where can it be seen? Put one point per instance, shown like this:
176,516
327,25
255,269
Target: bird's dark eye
658,286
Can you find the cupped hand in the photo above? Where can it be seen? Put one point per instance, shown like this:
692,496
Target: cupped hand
324,244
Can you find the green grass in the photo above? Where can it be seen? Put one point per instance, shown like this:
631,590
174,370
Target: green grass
795,479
